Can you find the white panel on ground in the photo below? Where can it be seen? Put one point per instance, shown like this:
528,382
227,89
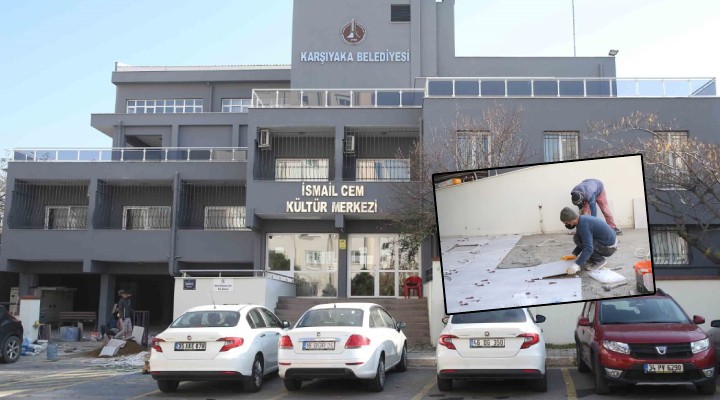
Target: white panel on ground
640,213
137,333
606,276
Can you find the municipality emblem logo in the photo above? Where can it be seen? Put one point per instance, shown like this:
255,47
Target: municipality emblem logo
353,32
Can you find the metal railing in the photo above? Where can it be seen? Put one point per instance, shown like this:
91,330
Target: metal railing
145,154
238,273
569,87
337,98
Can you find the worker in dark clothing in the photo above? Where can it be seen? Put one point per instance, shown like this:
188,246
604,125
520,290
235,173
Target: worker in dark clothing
112,327
126,313
594,240
590,194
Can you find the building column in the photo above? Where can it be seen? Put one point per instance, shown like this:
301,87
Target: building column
107,297
27,281
174,136
235,136
342,257
339,153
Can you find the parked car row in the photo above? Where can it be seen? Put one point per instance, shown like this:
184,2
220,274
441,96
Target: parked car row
638,340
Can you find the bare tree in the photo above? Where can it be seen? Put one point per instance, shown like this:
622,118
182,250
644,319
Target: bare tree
3,184
682,174
467,143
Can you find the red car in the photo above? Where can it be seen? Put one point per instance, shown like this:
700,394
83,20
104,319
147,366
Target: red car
644,340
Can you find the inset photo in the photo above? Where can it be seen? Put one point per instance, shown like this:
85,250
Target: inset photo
543,234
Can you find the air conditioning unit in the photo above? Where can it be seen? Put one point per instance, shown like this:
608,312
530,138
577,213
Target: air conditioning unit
350,144
264,139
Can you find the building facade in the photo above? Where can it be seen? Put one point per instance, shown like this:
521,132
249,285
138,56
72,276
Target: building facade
292,169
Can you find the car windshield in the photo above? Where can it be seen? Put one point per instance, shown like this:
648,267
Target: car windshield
331,317
487,317
641,311
207,319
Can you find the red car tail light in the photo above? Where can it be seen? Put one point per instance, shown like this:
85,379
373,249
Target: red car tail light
357,341
530,339
285,342
156,344
446,340
231,343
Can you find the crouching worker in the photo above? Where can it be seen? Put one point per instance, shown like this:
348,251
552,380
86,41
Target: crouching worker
112,327
594,240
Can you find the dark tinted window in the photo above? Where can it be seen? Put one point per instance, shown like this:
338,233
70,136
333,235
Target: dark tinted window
484,317
638,311
255,319
331,317
206,319
400,13
271,318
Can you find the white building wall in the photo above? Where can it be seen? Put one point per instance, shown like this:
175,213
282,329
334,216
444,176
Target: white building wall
528,201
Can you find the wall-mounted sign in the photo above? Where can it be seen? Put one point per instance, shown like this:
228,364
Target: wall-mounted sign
188,284
352,32
343,244
222,285
315,205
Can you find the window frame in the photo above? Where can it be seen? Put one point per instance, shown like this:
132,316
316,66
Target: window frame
71,219
561,136
168,106
670,258
470,139
228,217
146,219
400,8
672,138
242,104
386,170
323,168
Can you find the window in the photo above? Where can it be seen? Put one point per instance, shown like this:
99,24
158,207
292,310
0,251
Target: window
389,321
397,170
473,149
224,217
254,319
672,172
400,13
172,106
376,320
152,217
668,247
561,146
66,217
272,319
301,169
235,105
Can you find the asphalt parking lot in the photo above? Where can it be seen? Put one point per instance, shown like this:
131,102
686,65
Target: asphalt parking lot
72,380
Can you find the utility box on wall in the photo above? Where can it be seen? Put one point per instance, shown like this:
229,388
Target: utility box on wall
53,300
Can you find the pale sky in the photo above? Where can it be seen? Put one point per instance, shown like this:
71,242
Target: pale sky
56,57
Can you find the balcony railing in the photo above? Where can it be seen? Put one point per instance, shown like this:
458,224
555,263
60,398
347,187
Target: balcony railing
337,98
239,273
570,87
145,154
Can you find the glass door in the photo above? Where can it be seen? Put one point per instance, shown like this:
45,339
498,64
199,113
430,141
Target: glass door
378,266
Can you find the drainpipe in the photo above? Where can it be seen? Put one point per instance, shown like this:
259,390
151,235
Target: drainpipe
173,227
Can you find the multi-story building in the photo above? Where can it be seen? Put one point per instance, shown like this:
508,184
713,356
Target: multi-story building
291,168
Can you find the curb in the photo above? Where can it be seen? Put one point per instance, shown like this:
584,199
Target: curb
551,362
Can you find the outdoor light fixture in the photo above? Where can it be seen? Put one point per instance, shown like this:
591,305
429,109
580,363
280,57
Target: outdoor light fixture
613,53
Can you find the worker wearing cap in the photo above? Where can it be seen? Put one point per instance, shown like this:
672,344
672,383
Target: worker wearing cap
590,194
126,312
594,240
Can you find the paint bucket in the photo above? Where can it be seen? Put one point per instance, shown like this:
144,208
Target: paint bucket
52,351
642,268
69,333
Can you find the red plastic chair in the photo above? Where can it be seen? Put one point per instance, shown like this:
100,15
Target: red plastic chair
413,283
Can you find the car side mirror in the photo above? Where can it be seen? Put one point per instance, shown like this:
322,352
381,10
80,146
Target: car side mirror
698,319
715,324
285,324
539,319
445,320
584,321
399,326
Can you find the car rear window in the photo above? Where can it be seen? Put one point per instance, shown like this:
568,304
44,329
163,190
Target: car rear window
486,317
331,317
641,311
207,319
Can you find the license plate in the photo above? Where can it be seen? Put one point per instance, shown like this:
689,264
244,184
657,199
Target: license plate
663,368
318,345
487,343
189,346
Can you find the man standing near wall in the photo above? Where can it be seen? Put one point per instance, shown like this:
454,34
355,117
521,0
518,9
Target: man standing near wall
126,312
594,240
589,192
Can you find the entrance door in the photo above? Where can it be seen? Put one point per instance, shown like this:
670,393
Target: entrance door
377,266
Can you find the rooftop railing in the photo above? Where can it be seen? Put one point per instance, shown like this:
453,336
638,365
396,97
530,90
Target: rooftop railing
145,154
337,98
570,87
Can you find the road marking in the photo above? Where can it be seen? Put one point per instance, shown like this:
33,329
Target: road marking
144,395
419,395
569,385
280,396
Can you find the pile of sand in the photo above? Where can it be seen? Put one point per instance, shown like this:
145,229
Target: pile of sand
130,348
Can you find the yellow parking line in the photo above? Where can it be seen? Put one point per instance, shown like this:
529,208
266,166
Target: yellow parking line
419,395
144,395
569,385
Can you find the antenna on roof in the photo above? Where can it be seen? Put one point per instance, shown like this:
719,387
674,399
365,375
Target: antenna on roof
213,300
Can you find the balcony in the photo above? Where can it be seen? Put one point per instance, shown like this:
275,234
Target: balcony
144,154
337,98
570,87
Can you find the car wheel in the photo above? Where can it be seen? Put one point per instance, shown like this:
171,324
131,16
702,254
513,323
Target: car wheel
167,386
254,382
706,388
582,367
292,385
540,385
403,364
444,384
377,384
601,385
10,349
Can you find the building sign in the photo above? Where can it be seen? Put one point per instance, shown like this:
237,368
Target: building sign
188,284
222,285
343,244
353,33
311,194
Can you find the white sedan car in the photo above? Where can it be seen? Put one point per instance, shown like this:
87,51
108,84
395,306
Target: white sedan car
500,344
224,342
343,340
